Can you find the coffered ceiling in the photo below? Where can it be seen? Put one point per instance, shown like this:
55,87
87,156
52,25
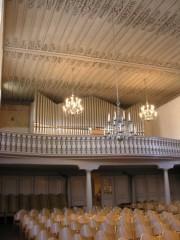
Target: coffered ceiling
65,46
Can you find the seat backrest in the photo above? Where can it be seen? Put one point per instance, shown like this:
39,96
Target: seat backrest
170,235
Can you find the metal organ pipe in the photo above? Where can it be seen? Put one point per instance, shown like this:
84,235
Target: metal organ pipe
50,118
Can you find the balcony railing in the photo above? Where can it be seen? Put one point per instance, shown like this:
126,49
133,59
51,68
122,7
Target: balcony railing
50,145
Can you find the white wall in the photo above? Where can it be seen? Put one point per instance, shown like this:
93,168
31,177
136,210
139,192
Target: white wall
167,123
15,117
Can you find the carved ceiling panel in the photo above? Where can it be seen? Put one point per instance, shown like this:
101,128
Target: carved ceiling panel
45,39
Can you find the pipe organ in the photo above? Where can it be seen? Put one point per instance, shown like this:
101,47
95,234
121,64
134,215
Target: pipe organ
137,121
48,117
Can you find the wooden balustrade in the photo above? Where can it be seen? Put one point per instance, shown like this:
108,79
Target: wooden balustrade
36,144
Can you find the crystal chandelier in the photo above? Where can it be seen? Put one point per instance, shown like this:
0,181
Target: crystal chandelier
147,112
118,127
72,105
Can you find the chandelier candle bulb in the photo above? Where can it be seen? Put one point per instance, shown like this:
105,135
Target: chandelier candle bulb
129,117
109,117
132,129
114,115
135,130
114,123
123,114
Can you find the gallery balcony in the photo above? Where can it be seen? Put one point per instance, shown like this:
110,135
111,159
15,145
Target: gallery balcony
24,144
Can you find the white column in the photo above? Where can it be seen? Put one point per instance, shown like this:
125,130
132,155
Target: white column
166,166
88,191
166,187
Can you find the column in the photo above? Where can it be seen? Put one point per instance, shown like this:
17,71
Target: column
166,166
88,191
166,187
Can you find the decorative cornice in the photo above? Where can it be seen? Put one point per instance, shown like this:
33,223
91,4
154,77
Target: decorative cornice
125,63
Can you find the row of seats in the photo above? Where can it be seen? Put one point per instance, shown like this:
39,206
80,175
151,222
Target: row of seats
10,204
174,207
99,224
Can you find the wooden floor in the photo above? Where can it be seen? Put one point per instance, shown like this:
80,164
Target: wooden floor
8,231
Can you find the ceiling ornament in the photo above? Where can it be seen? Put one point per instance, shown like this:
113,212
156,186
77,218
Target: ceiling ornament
88,56
147,112
133,13
125,66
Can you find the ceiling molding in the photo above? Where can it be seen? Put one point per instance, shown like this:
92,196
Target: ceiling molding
94,60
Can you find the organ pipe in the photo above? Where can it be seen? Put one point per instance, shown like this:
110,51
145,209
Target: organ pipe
134,111
50,118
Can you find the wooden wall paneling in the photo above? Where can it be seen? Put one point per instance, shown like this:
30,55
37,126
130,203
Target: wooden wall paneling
10,188
140,188
26,185
107,191
10,185
78,190
0,184
69,202
177,177
161,196
56,185
151,187
174,183
122,191
25,189
41,185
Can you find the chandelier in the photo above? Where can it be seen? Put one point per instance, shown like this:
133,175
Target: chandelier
72,105
147,112
117,126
